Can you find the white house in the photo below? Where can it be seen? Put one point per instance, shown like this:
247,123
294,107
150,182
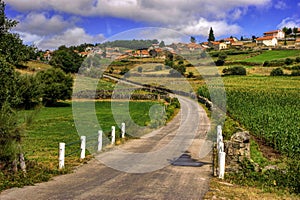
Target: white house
279,34
267,40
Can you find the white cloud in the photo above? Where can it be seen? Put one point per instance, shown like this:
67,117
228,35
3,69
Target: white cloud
289,22
193,17
281,5
202,26
41,24
74,36
298,4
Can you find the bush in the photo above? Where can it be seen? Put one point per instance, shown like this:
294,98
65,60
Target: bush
158,68
235,71
266,63
220,62
288,61
140,69
297,59
295,73
276,72
124,71
55,85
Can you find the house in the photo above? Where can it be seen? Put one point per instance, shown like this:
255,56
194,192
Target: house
267,41
237,45
297,42
48,55
193,46
279,34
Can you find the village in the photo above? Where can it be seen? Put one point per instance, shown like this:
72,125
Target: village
276,39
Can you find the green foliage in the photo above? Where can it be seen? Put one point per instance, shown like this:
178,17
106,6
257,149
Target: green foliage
66,59
277,72
29,91
140,69
269,110
288,61
130,44
10,134
124,71
238,70
297,59
8,79
193,39
158,68
211,36
272,179
295,73
55,85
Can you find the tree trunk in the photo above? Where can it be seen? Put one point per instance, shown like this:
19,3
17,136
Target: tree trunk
22,163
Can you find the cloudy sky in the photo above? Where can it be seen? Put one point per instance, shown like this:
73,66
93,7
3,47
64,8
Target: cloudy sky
51,23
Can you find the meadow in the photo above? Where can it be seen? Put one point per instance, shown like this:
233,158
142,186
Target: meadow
53,125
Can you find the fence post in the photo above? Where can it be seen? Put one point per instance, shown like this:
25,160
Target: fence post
221,147
123,130
222,164
219,136
100,133
113,135
61,155
82,147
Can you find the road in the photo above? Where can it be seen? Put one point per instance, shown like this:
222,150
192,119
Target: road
96,180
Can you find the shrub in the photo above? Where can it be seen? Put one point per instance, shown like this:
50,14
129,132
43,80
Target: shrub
55,85
220,62
297,67
140,69
276,72
295,73
158,68
297,59
124,71
288,61
266,63
235,71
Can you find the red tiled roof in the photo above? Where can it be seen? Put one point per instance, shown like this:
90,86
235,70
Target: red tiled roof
265,38
270,32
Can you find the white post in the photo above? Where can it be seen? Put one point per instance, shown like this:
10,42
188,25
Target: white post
82,147
61,155
221,147
123,130
219,136
222,164
113,135
100,133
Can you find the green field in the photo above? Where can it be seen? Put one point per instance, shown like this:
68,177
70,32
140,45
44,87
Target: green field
274,55
55,124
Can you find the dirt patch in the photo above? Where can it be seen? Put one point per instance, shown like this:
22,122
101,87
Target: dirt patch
267,151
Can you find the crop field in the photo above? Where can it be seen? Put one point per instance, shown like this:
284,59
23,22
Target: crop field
269,107
273,55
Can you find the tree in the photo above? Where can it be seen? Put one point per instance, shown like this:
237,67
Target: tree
295,31
211,36
66,59
11,46
277,72
140,69
242,38
54,85
162,44
193,39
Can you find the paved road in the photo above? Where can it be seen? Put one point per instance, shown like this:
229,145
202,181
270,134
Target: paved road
97,181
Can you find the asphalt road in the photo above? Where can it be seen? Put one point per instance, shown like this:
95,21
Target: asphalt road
96,180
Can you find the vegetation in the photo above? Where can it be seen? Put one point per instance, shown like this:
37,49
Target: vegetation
238,70
66,59
276,72
55,85
211,36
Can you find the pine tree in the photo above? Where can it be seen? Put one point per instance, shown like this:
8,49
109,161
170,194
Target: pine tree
211,36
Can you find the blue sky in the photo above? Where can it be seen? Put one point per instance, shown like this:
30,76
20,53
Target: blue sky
51,23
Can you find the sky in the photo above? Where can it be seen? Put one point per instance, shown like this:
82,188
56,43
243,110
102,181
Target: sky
48,24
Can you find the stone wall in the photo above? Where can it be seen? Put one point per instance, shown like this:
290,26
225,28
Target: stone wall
236,149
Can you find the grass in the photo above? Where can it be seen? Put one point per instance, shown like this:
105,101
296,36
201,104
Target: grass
273,55
55,124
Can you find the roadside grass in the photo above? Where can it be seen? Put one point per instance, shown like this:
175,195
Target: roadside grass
55,124
222,190
273,55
